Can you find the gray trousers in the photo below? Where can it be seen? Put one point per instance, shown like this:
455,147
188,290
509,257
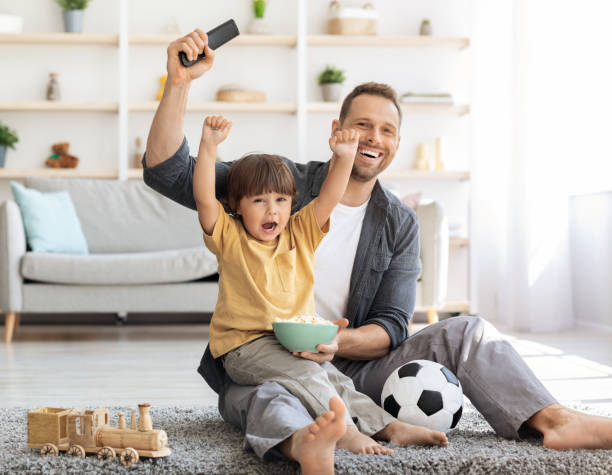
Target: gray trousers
265,359
493,376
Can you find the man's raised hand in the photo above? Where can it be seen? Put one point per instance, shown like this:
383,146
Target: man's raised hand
192,44
215,129
344,144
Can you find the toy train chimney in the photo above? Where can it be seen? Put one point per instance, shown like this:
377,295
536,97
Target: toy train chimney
133,420
121,423
144,418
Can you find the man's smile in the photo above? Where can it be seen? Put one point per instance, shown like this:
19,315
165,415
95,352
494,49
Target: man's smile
369,154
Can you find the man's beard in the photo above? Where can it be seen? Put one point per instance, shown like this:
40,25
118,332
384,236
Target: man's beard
364,175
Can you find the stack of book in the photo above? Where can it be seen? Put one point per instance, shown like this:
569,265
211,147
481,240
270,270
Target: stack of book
426,97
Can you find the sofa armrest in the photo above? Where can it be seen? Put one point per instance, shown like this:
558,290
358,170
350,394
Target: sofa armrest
12,249
433,227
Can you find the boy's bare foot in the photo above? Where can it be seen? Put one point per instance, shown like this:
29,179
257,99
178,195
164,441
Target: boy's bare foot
313,446
400,433
359,443
565,428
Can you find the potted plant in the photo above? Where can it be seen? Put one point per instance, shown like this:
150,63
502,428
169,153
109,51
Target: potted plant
73,14
8,138
330,80
259,25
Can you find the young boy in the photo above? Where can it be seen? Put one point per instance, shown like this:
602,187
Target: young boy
266,262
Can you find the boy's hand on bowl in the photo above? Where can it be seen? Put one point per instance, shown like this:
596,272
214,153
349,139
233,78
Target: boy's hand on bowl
326,352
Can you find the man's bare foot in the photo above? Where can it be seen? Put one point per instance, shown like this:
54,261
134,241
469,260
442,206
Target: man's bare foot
400,433
313,446
359,443
565,428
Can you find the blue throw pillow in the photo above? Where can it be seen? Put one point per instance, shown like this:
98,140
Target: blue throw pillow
50,221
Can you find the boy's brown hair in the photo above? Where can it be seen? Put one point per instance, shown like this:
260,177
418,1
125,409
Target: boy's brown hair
374,89
259,173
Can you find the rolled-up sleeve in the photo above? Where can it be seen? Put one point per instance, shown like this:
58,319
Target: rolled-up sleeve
393,304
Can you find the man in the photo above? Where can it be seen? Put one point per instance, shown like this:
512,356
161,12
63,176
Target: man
375,241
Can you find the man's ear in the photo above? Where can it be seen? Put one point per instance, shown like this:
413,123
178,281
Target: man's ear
335,126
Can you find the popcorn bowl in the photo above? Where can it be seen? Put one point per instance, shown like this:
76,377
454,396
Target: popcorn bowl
303,336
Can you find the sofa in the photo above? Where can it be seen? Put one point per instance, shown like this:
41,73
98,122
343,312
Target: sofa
146,254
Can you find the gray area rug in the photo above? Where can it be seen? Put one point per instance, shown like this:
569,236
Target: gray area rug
202,443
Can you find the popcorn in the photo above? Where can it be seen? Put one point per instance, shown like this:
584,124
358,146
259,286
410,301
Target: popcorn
313,319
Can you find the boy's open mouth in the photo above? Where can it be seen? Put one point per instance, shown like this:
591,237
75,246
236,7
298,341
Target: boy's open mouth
269,227
369,154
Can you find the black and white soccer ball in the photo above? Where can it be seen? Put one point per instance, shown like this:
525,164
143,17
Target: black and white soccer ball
424,393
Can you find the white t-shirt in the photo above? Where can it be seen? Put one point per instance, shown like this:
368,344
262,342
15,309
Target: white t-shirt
334,261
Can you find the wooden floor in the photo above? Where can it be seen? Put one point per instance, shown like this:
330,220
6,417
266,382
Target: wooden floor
80,365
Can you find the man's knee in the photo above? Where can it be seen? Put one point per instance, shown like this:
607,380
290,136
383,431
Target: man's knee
472,327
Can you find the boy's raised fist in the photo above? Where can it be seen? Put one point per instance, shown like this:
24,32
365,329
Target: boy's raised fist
215,129
344,143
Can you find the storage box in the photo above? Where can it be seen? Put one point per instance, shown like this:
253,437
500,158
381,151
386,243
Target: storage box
352,20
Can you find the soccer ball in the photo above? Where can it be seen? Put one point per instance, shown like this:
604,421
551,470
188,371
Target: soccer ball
424,393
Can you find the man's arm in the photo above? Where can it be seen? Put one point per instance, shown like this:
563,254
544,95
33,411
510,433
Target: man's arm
166,133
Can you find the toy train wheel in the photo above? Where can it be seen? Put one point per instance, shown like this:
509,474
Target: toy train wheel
76,451
106,453
49,449
128,456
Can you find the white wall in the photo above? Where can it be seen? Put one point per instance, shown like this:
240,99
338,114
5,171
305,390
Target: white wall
591,255
90,73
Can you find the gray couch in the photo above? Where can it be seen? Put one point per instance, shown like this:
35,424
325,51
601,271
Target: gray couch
146,255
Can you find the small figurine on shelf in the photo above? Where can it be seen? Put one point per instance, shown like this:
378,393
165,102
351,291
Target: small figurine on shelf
162,81
60,157
53,92
425,29
422,160
138,153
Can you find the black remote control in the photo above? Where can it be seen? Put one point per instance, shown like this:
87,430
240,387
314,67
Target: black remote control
216,37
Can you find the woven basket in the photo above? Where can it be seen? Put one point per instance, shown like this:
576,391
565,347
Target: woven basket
352,21
235,95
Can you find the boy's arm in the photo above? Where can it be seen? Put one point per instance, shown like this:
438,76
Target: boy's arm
344,145
214,131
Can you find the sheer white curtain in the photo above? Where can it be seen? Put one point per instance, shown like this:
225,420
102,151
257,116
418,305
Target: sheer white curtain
538,127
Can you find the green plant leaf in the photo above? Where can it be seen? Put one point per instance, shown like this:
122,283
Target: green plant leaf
8,136
73,4
331,75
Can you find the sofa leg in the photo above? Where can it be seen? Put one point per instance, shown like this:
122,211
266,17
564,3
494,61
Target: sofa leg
120,318
9,326
432,316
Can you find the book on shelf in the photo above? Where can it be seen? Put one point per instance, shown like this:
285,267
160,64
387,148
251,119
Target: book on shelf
427,97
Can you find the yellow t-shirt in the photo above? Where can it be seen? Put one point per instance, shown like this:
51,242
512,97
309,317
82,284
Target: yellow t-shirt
259,281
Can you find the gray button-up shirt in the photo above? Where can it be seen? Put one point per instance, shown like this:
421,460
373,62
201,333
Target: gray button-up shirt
383,281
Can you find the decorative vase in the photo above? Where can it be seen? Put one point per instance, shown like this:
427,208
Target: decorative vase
73,21
331,91
425,29
2,155
259,26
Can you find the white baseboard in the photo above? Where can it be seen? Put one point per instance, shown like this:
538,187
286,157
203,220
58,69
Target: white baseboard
595,326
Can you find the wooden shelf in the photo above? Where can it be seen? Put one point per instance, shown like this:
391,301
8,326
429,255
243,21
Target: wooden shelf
410,174
279,107
389,41
134,173
413,108
20,173
58,106
60,39
242,40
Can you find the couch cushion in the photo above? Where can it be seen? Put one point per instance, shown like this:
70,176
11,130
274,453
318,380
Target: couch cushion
126,216
50,221
118,269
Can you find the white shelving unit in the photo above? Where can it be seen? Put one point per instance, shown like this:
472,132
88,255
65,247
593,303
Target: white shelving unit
300,107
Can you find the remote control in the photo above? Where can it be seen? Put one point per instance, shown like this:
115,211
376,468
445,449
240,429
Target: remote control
216,37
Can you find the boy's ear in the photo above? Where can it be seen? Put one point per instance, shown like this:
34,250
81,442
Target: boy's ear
335,126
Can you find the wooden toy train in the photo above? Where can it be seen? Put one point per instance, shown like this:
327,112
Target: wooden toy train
79,431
